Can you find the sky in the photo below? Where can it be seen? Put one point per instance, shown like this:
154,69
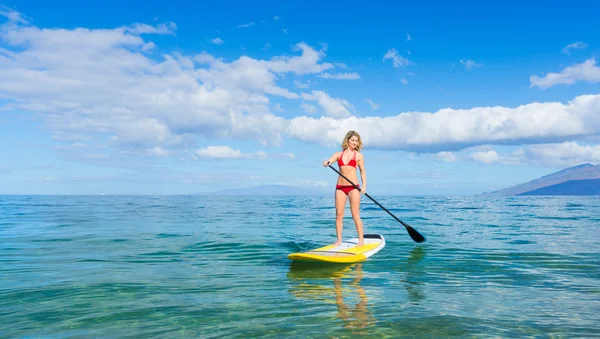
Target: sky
154,97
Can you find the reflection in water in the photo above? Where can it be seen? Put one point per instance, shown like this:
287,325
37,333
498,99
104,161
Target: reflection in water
413,274
314,282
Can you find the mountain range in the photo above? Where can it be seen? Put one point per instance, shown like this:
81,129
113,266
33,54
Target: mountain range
582,179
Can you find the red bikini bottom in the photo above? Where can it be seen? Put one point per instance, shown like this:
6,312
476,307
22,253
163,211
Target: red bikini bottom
346,188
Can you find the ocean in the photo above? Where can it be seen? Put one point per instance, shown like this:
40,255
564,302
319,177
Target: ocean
217,267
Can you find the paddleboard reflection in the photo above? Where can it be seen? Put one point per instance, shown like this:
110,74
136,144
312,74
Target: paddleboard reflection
338,285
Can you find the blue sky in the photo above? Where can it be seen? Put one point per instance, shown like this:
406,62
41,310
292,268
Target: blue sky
176,98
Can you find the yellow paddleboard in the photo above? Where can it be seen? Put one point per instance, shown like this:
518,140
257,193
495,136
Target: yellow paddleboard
346,252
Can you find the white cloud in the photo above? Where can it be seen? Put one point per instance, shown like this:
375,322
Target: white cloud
336,108
217,41
307,63
575,45
404,81
454,129
586,71
112,82
139,29
469,64
408,38
304,183
157,151
397,60
340,76
487,157
277,108
558,155
250,24
219,152
373,105
12,15
226,152
308,108
117,90
300,84
445,156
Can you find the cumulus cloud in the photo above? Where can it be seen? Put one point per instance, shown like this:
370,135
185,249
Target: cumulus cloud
445,156
455,129
112,82
217,41
226,152
115,88
557,155
336,108
308,108
564,154
586,71
488,157
219,152
157,151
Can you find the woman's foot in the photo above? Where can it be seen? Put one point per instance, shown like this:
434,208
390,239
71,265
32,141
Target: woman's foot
337,243
361,242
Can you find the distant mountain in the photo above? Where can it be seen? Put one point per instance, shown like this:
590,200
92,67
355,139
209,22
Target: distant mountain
571,187
269,190
571,179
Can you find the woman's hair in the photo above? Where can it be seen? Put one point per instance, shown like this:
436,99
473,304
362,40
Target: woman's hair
347,138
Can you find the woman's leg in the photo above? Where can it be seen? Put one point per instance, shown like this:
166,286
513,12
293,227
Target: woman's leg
354,197
340,205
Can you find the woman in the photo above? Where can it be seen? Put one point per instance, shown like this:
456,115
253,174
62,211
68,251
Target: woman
348,160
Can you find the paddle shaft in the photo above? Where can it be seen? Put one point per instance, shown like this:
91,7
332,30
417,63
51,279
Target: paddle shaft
412,232
367,194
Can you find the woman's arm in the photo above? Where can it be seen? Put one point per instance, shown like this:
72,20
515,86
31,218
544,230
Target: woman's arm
333,158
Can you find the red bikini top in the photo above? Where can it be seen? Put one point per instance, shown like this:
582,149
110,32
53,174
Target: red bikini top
352,161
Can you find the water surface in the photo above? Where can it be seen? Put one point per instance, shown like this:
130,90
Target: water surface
213,267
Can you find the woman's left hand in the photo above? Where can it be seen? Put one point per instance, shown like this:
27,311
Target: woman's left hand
363,190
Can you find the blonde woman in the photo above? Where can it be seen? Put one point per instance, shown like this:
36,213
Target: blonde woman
349,159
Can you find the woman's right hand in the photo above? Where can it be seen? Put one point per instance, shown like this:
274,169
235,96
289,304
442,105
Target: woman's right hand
325,163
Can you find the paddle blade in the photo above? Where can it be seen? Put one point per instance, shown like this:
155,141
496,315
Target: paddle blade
416,236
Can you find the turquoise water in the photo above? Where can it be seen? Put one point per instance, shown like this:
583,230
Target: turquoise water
214,267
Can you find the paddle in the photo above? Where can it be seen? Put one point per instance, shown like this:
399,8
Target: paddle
416,236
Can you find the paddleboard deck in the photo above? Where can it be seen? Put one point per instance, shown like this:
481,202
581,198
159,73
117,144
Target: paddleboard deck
346,252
